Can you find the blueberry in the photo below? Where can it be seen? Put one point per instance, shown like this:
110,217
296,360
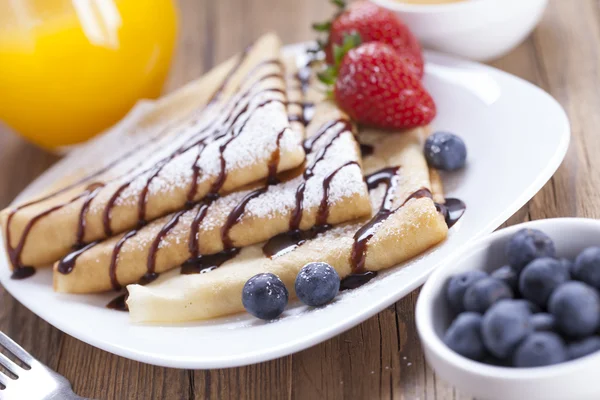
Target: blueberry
464,336
541,322
264,296
587,267
540,277
576,307
508,275
583,347
458,285
504,326
445,151
528,305
482,294
567,265
317,284
527,245
540,349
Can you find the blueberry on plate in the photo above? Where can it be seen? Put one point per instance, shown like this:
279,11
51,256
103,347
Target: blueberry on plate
464,336
264,296
508,275
583,347
576,307
482,294
540,349
527,245
542,322
587,267
540,277
458,285
504,326
445,151
317,284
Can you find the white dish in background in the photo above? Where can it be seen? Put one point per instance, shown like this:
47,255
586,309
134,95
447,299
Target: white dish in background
517,136
477,29
570,380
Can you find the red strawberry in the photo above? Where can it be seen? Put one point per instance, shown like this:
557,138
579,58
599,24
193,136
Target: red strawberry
375,87
376,24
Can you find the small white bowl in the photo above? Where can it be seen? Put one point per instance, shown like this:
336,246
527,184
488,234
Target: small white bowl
481,30
570,380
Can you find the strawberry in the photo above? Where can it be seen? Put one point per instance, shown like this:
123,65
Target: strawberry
375,87
373,24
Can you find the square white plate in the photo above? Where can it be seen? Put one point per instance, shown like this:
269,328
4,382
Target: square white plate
516,135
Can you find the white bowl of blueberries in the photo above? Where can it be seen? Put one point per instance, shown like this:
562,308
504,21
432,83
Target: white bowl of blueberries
516,315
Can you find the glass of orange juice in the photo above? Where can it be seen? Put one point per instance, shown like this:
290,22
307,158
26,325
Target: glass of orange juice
71,68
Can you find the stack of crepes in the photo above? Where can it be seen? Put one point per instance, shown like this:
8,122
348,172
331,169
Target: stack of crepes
249,169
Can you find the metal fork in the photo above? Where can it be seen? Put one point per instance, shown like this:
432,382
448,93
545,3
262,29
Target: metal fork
37,382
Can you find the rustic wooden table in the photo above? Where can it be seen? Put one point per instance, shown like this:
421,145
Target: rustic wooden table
382,357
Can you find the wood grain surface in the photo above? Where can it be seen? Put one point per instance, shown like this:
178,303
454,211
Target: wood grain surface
382,357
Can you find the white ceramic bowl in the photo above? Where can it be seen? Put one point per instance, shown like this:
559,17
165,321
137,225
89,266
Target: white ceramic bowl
477,29
571,380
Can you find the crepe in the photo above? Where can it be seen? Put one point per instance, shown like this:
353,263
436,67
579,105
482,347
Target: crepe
221,134
327,189
404,223
410,230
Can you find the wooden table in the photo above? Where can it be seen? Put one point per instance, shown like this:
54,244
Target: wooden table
382,357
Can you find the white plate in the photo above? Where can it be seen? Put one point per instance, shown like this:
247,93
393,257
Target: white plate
516,135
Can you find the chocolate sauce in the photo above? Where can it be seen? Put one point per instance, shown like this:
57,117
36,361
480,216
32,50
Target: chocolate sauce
273,164
288,241
366,149
14,253
119,303
22,273
452,210
303,75
323,212
66,265
112,269
296,217
365,233
308,112
227,127
93,190
208,262
106,213
356,280
235,215
195,227
151,262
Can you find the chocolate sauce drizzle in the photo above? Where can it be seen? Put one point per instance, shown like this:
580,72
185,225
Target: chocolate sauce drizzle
93,189
66,265
366,149
308,112
452,210
206,263
119,303
353,281
227,128
196,262
295,237
385,176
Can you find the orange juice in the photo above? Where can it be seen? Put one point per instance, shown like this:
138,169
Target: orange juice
71,68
